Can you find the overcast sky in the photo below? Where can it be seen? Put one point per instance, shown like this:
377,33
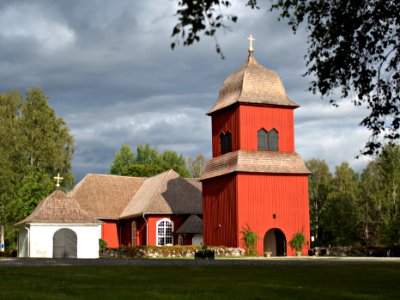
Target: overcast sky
108,70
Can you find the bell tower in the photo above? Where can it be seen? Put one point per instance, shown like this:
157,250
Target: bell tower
255,178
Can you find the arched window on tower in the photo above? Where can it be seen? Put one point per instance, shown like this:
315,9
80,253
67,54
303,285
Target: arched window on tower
228,136
262,136
222,142
273,140
225,142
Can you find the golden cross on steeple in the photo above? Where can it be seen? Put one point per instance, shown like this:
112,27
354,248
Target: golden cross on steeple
251,39
58,178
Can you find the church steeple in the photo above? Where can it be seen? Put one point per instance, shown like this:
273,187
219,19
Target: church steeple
252,83
255,179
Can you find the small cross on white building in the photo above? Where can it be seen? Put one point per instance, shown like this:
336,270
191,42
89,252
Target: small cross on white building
58,178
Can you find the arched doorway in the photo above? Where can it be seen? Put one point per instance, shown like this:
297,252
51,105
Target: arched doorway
64,244
275,241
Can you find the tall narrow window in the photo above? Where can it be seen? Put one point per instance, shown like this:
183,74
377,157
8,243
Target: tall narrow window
228,137
226,142
164,232
133,233
273,140
222,143
180,240
262,135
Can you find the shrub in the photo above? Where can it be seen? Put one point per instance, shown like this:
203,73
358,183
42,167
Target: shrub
250,240
102,244
297,241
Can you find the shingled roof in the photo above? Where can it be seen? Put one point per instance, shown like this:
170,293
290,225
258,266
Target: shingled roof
59,208
106,196
252,83
166,193
192,225
272,162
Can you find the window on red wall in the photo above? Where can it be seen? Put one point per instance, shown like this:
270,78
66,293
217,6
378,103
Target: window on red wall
273,140
164,232
222,142
268,141
262,136
226,142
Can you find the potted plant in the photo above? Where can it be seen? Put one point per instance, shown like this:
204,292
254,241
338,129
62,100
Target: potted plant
297,242
268,253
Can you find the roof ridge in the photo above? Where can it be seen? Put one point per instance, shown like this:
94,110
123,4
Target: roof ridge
245,66
78,185
165,176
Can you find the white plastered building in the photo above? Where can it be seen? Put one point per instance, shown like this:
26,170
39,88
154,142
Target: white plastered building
59,228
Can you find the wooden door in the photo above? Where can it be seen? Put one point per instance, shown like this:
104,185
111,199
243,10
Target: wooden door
65,244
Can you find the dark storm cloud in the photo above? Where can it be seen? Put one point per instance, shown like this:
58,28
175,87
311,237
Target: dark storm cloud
110,73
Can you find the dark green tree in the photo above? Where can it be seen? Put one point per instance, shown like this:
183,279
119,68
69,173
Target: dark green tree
142,170
122,159
147,162
36,145
388,168
341,216
379,199
370,200
147,155
353,50
318,189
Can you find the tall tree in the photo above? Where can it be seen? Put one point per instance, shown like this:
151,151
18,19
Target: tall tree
122,159
341,215
171,160
197,165
353,49
11,166
35,146
147,162
318,189
371,204
147,155
388,168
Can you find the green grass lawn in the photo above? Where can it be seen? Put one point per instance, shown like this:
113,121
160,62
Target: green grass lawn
202,282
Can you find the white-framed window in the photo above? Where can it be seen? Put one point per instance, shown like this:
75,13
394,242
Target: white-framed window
165,227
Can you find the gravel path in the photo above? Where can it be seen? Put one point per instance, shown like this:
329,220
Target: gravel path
191,262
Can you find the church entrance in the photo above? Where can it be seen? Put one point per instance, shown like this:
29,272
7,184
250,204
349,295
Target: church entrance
275,241
64,244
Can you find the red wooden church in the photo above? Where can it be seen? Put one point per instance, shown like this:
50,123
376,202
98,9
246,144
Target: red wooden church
255,177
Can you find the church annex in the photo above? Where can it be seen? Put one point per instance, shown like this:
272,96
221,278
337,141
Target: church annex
124,211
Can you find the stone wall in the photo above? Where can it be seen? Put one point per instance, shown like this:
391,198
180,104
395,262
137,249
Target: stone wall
165,252
356,251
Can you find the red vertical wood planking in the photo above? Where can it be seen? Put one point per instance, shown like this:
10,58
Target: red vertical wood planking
219,211
226,120
109,233
253,118
286,196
